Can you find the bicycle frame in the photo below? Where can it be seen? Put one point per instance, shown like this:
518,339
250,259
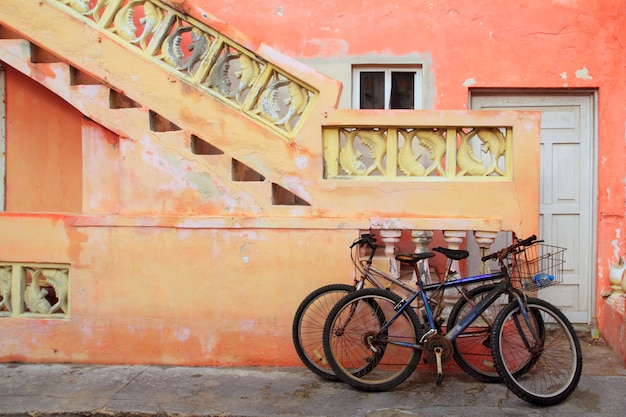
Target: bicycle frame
369,273
476,311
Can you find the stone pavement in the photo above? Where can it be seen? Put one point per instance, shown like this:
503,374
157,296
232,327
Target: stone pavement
105,390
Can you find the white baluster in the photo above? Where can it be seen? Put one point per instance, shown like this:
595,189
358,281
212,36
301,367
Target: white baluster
453,238
422,239
391,238
484,241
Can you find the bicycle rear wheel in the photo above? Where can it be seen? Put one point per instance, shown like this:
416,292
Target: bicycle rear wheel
308,326
545,347
472,348
360,352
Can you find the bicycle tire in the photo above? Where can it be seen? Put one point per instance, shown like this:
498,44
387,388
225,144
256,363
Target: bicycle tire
308,327
472,348
552,362
357,351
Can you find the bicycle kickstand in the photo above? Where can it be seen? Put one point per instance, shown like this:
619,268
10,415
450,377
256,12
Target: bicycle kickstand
438,353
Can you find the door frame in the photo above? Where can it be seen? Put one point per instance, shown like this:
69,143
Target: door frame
592,206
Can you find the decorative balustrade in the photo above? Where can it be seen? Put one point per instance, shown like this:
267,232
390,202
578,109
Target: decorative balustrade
203,57
415,152
447,170
422,241
34,290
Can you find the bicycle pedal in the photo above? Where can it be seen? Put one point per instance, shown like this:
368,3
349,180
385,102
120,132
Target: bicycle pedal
439,379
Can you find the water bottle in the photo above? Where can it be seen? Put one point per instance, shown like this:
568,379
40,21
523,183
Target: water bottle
543,280
595,331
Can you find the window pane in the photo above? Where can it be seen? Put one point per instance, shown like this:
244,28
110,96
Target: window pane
402,90
372,87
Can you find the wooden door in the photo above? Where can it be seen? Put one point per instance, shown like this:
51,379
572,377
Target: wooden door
567,188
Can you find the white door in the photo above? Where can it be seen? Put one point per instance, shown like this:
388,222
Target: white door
567,188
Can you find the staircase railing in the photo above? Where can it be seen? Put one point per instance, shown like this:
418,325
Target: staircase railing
203,57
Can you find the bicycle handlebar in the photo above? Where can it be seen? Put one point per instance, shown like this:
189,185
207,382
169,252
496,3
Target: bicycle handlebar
502,253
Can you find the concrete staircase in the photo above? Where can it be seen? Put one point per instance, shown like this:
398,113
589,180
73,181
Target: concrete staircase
219,145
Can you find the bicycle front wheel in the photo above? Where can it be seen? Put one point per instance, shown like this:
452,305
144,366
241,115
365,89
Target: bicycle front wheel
308,326
357,348
545,345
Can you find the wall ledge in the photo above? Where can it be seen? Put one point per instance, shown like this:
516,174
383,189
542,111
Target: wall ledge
221,222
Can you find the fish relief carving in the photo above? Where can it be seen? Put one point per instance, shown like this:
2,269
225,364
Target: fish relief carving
297,101
375,141
151,21
467,162
493,142
199,46
249,71
124,21
349,158
435,144
218,77
35,296
58,278
5,288
267,105
171,52
408,162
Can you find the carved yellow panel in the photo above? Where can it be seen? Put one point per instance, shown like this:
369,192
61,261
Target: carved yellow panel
418,152
30,290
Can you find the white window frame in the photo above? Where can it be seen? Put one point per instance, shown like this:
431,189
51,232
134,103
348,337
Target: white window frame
388,70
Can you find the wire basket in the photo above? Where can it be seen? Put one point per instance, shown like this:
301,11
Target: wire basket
537,266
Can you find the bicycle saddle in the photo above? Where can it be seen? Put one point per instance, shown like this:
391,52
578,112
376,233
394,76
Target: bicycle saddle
412,258
455,254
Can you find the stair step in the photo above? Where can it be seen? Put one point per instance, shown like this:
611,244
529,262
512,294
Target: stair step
118,100
159,123
41,56
78,77
201,147
130,119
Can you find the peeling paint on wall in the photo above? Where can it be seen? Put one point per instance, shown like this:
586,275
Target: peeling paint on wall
243,252
247,325
615,244
583,74
468,82
182,334
302,162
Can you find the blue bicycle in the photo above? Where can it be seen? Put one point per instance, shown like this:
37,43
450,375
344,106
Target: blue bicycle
373,339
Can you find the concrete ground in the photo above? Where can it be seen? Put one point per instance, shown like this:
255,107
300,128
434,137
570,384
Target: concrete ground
105,390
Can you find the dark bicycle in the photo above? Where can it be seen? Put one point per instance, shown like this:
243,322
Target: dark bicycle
375,354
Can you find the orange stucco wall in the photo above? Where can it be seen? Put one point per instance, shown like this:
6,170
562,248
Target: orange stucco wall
158,295
176,290
44,163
